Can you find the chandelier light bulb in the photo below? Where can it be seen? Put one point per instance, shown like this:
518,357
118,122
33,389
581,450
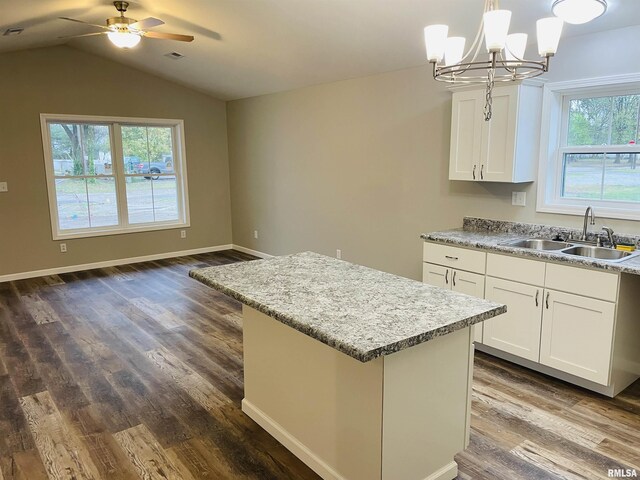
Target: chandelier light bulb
124,39
435,39
578,11
515,46
496,27
548,31
454,50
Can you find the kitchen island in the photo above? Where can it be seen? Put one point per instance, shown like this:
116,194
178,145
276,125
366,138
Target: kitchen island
361,374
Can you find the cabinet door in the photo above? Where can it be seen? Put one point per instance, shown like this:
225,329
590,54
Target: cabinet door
517,331
469,284
466,131
436,275
499,137
577,335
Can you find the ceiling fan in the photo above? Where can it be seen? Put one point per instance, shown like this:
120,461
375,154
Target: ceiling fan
127,32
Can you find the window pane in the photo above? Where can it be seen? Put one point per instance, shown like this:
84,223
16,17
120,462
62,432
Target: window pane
622,177
73,208
625,119
139,200
582,175
603,120
80,149
103,208
165,198
147,150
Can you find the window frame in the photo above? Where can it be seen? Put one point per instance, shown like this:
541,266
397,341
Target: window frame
118,173
556,98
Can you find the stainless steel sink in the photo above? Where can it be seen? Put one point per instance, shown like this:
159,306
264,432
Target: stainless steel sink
539,244
600,253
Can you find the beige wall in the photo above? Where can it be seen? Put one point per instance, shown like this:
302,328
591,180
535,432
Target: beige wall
65,80
362,165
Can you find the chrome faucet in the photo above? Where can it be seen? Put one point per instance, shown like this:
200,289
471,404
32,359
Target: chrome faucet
588,212
609,231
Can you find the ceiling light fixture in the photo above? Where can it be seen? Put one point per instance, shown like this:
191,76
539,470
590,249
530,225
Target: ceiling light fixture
124,39
578,11
506,60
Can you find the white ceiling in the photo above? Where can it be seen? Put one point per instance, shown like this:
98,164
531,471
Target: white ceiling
245,48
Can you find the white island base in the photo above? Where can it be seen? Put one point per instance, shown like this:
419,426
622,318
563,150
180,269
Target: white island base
398,417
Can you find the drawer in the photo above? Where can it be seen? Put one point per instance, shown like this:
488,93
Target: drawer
455,257
588,283
521,270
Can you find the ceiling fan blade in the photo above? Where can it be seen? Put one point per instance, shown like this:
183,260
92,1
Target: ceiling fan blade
84,23
169,36
84,35
146,23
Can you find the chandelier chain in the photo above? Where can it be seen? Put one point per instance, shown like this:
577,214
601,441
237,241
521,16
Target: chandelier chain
488,105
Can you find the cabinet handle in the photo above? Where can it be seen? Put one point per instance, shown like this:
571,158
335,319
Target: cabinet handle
474,172
454,278
547,300
446,276
481,172
537,294
450,257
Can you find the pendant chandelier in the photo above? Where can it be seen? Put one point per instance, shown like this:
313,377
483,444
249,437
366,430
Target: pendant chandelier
505,62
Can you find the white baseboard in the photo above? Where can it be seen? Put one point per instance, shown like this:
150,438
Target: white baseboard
113,263
290,442
251,252
448,472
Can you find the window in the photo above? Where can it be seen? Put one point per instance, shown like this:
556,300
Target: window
590,155
114,175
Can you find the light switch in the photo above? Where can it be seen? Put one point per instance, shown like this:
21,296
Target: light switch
4,187
519,198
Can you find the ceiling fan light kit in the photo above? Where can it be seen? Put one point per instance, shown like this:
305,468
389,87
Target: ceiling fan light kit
125,32
124,39
578,12
505,62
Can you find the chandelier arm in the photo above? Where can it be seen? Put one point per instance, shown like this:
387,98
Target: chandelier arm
477,41
523,70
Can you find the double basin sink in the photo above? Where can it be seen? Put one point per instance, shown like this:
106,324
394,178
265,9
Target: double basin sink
600,253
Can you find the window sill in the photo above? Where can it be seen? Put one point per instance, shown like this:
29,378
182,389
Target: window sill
120,231
601,211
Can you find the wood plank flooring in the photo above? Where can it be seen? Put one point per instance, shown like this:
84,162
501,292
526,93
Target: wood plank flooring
136,372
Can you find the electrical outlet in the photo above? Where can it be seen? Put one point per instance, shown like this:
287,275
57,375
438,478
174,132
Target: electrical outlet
63,248
183,234
338,253
255,234
4,187
519,198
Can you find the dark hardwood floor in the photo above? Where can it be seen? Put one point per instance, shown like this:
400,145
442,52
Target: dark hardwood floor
136,372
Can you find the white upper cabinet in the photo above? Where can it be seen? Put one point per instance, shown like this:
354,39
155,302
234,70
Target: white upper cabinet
504,149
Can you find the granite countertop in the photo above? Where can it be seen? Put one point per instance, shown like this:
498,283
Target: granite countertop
491,235
359,311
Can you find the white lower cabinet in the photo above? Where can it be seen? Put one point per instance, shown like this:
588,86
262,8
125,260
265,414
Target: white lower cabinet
517,331
577,335
436,275
458,281
577,324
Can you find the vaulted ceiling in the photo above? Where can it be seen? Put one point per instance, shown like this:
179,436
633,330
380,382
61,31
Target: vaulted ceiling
245,48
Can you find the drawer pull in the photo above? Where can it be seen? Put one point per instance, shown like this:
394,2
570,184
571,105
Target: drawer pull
454,278
547,301
446,276
537,294
450,257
